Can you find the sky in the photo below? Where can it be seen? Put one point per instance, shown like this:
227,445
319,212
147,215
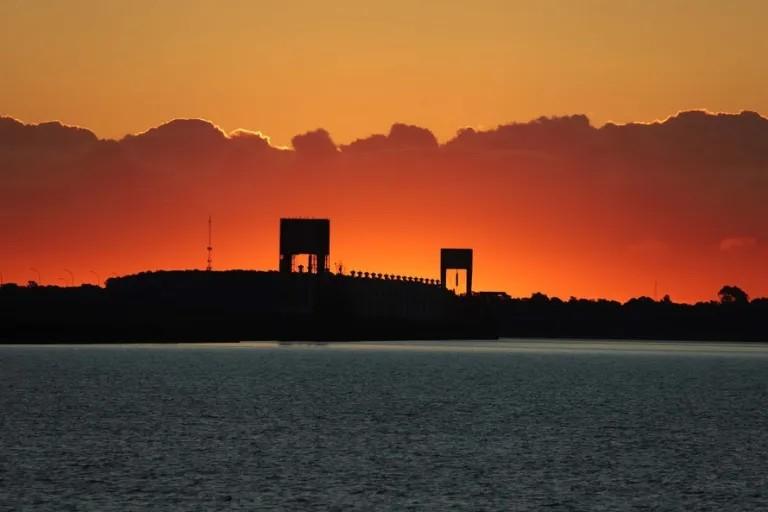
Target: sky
354,68
646,190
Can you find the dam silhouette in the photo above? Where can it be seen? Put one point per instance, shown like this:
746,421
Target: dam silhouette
313,303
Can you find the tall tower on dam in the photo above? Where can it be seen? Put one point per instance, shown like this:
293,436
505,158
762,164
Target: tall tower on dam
456,259
311,237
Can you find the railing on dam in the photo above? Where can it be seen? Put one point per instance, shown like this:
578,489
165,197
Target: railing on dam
359,274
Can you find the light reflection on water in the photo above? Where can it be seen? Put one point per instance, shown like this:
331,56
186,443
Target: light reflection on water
543,346
755,349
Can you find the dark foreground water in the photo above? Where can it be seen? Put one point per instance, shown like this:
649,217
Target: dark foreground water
420,426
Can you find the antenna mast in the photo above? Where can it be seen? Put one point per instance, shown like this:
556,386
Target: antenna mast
209,267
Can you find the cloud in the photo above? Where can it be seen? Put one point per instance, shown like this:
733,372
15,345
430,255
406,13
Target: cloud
371,144
401,137
52,135
178,138
316,143
243,134
738,243
628,200
252,143
685,139
43,155
189,130
544,133
693,137
406,136
196,141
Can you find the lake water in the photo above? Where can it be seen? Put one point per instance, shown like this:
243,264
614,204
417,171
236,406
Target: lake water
509,425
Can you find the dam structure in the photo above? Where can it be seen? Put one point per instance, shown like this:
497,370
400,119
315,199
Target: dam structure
302,300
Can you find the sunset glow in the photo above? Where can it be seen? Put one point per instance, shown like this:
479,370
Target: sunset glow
189,111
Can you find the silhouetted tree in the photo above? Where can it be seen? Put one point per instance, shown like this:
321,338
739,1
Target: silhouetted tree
732,295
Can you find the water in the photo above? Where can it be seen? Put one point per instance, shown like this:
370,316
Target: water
385,426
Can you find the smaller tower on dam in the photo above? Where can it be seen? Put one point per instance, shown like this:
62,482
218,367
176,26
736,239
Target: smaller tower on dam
311,237
456,259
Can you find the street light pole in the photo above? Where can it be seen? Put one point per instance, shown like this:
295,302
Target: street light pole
98,277
71,277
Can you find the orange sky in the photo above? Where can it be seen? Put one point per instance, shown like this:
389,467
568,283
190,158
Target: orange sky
609,225
356,67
